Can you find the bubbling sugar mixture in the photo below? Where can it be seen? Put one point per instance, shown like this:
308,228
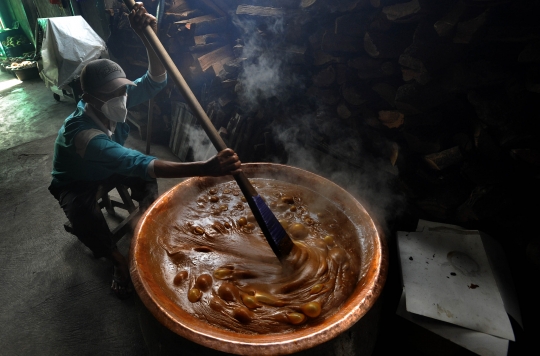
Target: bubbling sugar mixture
219,268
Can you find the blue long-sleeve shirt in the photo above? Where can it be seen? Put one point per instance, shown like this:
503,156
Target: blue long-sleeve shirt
84,150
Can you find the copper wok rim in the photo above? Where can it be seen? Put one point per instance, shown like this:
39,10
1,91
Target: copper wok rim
364,296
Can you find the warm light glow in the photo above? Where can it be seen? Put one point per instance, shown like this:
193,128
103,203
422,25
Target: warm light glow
9,83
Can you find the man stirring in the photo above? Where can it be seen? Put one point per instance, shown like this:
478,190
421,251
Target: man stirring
89,152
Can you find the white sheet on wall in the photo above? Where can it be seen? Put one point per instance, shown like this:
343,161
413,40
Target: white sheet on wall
68,45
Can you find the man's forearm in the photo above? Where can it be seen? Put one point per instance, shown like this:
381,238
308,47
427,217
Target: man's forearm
169,169
155,67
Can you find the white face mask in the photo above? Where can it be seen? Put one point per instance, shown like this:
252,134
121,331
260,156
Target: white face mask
115,109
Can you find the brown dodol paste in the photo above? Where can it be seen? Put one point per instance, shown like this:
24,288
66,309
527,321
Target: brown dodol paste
221,270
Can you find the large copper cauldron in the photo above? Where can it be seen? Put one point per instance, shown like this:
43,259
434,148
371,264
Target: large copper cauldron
145,251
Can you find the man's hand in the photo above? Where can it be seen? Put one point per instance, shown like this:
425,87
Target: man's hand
224,163
139,18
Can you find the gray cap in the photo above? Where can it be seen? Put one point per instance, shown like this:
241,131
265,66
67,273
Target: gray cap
103,76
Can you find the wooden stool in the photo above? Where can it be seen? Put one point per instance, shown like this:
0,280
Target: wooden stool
105,201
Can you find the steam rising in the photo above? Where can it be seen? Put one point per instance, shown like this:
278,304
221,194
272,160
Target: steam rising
370,182
199,142
267,74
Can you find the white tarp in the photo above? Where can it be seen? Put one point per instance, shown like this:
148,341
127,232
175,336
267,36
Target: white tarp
69,43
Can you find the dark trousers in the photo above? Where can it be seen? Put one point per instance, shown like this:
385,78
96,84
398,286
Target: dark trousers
79,202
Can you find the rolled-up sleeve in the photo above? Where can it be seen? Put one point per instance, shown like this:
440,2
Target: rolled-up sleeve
108,157
146,88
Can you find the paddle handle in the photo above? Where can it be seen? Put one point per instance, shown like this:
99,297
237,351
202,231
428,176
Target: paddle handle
193,103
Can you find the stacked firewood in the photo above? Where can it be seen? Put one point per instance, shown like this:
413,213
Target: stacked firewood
443,92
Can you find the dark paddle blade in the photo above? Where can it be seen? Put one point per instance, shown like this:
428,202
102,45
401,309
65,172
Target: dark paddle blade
275,234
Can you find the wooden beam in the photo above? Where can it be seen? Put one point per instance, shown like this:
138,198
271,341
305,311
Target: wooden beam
262,11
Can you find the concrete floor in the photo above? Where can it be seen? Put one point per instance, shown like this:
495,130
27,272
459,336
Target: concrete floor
54,296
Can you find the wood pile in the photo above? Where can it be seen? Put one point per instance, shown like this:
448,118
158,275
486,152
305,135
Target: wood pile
443,92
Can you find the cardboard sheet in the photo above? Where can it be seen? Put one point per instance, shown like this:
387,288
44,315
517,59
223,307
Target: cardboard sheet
447,276
477,342
497,260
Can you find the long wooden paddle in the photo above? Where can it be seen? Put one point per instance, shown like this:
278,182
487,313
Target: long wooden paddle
275,234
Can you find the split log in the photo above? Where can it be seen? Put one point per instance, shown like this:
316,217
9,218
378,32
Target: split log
343,111
344,73
391,118
178,6
534,87
466,76
216,59
354,94
341,43
218,25
209,38
229,83
250,10
236,137
526,155
349,5
405,12
259,152
223,132
210,4
315,39
435,208
325,77
327,96
463,141
370,68
468,31
287,4
185,15
234,65
331,5
493,108
419,144
203,25
486,145
238,49
205,48
383,3
321,58
189,22
530,54
428,54
305,4
422,61
386,92
446,25
352,24
233,128
444,159
386,45
415,98
293,54
380,23
393,153
248,139
226,99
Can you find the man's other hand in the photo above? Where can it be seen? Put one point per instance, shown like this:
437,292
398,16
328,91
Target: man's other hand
224,163
139,18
